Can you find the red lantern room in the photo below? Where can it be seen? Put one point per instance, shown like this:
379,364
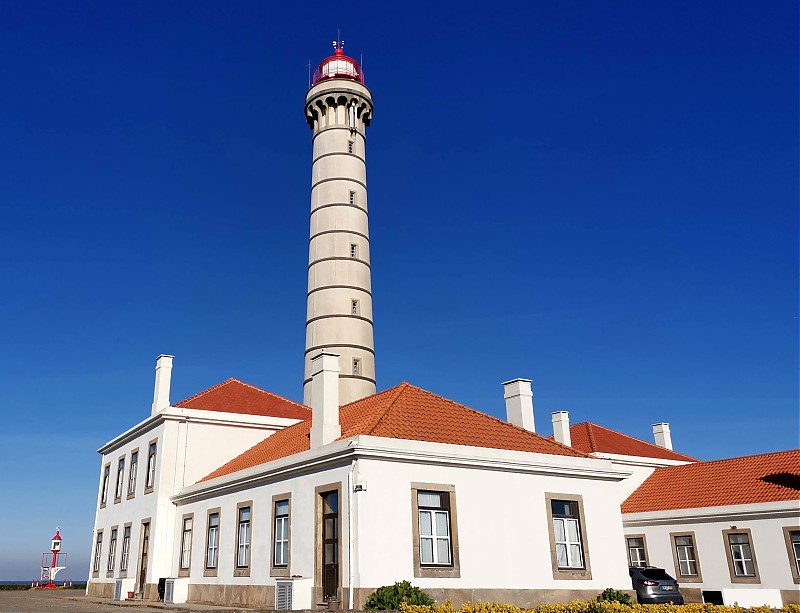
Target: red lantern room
338,66
55,546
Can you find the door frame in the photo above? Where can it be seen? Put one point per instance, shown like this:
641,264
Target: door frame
318,570
142,581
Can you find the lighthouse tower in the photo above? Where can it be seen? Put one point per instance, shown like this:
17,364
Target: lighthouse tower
339,312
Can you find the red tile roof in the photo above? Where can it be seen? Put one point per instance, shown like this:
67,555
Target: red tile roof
234,396
589,438
770,477
404,412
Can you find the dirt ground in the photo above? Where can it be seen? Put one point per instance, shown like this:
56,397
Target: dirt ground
73,601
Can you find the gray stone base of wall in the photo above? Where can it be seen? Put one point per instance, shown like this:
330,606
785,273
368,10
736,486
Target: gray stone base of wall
263,596
256,596
690,594
100,590
790,596
104,589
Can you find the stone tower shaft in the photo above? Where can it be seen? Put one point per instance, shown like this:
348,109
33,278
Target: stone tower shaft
339,308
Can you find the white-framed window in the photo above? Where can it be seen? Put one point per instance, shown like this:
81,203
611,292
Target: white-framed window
98,550
132,473
741,555
104,489
794,541
434,528
352,197
213,540
356,366
243,541
687,560
126,548
567,533
354,307
186,543
353,250
112,550
636,551
281,545
151,464
120,479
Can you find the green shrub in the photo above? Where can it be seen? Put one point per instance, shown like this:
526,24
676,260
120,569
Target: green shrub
390,597
612,595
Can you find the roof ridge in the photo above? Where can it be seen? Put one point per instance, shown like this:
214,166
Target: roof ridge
399,392
273,394
617,432
736,459
590,431
206,391
498,420
235,380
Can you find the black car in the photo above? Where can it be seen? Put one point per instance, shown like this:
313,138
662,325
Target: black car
653,585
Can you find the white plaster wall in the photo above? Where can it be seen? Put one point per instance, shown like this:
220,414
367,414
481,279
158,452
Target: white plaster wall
767,541
502,527
302,519
191,444
133,510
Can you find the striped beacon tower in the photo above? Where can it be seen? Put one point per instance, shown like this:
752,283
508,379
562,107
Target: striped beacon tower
339,313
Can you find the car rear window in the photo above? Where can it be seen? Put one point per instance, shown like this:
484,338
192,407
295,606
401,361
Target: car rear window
657,574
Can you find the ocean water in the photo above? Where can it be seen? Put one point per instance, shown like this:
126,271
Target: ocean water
28,582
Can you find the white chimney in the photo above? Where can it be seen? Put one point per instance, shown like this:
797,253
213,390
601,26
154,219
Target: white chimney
519,403
163,379
561,428
325,426
662,435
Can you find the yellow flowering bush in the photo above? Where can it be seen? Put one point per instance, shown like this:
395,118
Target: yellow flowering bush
591,606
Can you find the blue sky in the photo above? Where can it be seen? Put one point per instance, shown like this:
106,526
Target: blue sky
598,196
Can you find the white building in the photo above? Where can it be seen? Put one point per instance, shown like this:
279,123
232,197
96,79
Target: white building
729,530
403,484
237,496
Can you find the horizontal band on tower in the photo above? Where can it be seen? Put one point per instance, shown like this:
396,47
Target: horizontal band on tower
332,258
353,287
352,206
347,315
341,376
325,155
321,181
321,347
321,130
313,236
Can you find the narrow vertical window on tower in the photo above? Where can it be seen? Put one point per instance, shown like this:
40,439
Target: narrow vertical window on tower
351,147
356,366
353,250
354,308
352,197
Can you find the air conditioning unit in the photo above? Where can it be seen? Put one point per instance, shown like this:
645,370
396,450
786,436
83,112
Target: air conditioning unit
118,589
283,595
169,591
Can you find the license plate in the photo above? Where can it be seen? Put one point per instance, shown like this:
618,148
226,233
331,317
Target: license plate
667,588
